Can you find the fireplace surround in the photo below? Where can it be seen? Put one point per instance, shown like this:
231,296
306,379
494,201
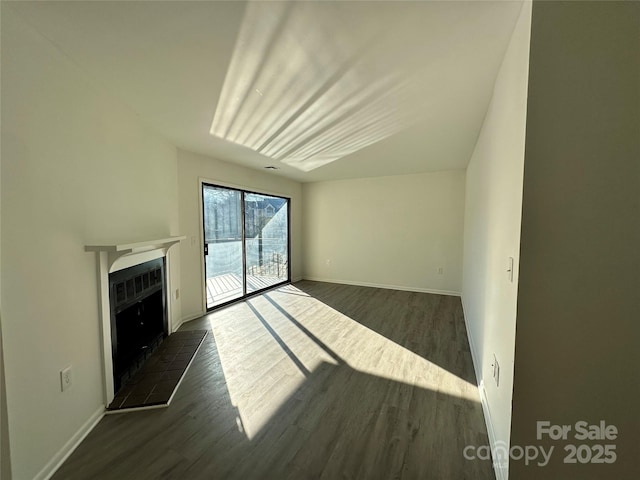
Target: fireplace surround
115,257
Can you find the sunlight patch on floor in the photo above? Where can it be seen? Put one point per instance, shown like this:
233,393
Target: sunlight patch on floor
295,335
369,352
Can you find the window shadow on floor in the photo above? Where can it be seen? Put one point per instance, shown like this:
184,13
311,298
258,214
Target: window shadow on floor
432,325
342,423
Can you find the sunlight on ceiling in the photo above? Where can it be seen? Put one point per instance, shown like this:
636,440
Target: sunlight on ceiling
306,333
312,82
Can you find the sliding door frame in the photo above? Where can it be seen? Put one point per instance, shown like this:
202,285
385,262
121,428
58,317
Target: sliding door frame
243,191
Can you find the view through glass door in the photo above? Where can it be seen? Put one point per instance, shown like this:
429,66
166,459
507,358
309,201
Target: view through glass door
246,243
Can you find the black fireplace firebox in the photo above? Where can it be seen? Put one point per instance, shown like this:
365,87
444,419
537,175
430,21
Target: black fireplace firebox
138,316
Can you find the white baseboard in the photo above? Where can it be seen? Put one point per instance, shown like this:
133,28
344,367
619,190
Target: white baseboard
186,319
501,473
494,444
296,279
474,352
58,459
135,409
177,326
388,287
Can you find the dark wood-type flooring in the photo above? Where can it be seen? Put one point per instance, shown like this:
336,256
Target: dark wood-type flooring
310,381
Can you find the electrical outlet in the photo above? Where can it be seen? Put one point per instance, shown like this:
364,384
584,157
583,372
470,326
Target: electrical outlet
496,370
440,270
177,295
66,379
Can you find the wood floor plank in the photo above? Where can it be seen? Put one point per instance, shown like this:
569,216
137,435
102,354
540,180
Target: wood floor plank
309,381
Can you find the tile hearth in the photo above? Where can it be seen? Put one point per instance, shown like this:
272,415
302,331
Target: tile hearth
156,381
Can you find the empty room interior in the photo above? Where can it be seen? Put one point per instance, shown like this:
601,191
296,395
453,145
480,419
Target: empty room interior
320,240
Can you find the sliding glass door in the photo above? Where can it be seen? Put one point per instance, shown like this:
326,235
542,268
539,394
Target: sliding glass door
246,243
266,227
223,244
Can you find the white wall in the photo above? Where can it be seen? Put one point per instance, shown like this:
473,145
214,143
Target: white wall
392,232
5,461
77,168
577,353
492,232
192,168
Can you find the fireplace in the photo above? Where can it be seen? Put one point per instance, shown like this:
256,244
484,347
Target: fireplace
134,280
139,324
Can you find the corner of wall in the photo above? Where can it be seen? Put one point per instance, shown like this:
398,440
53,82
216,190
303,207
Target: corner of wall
494,180
5,450
577,356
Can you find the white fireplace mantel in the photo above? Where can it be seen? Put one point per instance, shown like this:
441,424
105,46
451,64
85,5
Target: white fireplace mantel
116,251
112,257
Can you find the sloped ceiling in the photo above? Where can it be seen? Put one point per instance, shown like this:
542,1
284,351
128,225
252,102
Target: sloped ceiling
321,90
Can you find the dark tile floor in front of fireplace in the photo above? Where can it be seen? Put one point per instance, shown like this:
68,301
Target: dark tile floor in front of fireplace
156,381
